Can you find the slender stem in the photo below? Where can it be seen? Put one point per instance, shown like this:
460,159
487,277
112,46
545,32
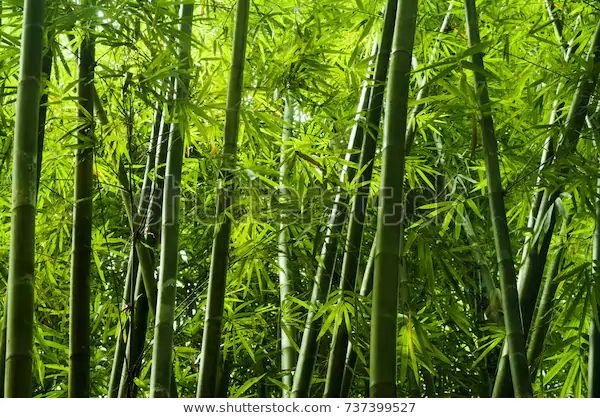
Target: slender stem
543,318
211,339
151,214
323,281
119,356
162,372
351,356
3,345
287,271
43,109
529,284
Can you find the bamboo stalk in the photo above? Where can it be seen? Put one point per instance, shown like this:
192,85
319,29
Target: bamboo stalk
367,284
324,277
373,101
137,300
3,345
567,143
19,327
543,318
161,374
594,333
388,237
351,356
119,355
508,285
287,272
211,338
43,108
79,331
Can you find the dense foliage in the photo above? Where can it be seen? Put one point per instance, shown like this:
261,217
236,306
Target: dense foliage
269,171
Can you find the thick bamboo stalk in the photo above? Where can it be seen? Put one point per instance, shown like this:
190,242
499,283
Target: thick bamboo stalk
211,338
338,353
161,374
324,277
287,271
373,103
79,331
382,381
508,280
19,332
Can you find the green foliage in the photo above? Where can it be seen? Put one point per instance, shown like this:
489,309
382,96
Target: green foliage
450,331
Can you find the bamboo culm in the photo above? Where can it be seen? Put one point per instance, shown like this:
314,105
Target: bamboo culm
594,336
43,108
211,338
350,354
139,302
79,331
287,271
162,373
119,356
372,99
324,275
3,345
382,381
543,317
567,142
594,333
508,285
19,312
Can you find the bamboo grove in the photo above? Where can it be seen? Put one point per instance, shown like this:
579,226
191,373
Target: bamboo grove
316,198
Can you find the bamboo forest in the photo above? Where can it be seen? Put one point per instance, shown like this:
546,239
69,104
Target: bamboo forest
299,198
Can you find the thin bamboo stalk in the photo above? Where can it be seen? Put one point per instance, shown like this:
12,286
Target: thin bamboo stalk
211,338
119,355
3,345
594,333
351,356
287,272
543,318
43,109
137,300
162,373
